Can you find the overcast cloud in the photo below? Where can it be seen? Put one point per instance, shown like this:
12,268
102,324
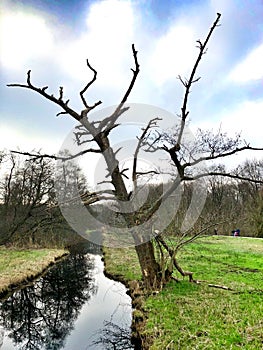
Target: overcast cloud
54,42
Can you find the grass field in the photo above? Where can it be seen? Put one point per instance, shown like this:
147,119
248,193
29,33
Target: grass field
17,266
195,316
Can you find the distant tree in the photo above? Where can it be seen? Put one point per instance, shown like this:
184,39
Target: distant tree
2,155
29,210
237,203
97,136
26,190
251,198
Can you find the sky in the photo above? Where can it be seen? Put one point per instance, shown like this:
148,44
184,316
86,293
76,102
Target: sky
54,39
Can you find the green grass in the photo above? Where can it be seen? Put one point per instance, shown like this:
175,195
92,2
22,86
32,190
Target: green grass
122,263
19,265
195,316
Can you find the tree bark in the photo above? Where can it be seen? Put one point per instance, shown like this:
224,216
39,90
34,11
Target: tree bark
151,270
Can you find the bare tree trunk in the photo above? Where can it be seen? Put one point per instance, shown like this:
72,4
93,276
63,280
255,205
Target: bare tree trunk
151,271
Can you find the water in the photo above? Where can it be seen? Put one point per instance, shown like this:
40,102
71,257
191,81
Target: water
73,307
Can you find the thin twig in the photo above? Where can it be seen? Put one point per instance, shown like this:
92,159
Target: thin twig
82,92
188,83
120,110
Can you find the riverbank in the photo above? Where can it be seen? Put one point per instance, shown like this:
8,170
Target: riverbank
19,267
188,315
121,264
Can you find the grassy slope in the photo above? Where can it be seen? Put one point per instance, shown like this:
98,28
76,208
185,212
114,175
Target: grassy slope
18,265
196,316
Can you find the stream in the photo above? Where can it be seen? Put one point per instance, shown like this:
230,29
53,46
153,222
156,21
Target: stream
72,307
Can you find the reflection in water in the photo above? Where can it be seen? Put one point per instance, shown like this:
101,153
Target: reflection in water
110,303
42,315
113,337
66,307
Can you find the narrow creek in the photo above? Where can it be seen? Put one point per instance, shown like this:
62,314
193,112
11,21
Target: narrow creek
72,307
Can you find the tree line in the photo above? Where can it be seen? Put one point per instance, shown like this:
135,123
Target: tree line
30,214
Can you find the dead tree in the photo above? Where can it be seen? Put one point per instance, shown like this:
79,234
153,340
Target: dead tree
96,136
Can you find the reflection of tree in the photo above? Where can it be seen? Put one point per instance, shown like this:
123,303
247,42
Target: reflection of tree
42,315
84,248
113,337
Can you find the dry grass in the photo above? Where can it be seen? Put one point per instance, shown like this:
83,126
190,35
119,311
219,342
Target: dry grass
17,266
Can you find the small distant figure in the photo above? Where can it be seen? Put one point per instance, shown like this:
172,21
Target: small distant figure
236,233
215,232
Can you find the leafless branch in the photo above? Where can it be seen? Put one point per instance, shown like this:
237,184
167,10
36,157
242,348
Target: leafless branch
61,113
150,145
212,157
214,173
79,135
196,235
42,91
140,173
87,198
172,254
152,123
61,93
35,156
188,82
104,182
86,88
59,101
109,121
135,74
123,173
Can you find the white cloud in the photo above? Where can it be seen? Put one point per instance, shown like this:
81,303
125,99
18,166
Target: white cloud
106,41
245,118
173,54
110,19
111,27
11,138
250,68
23,36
